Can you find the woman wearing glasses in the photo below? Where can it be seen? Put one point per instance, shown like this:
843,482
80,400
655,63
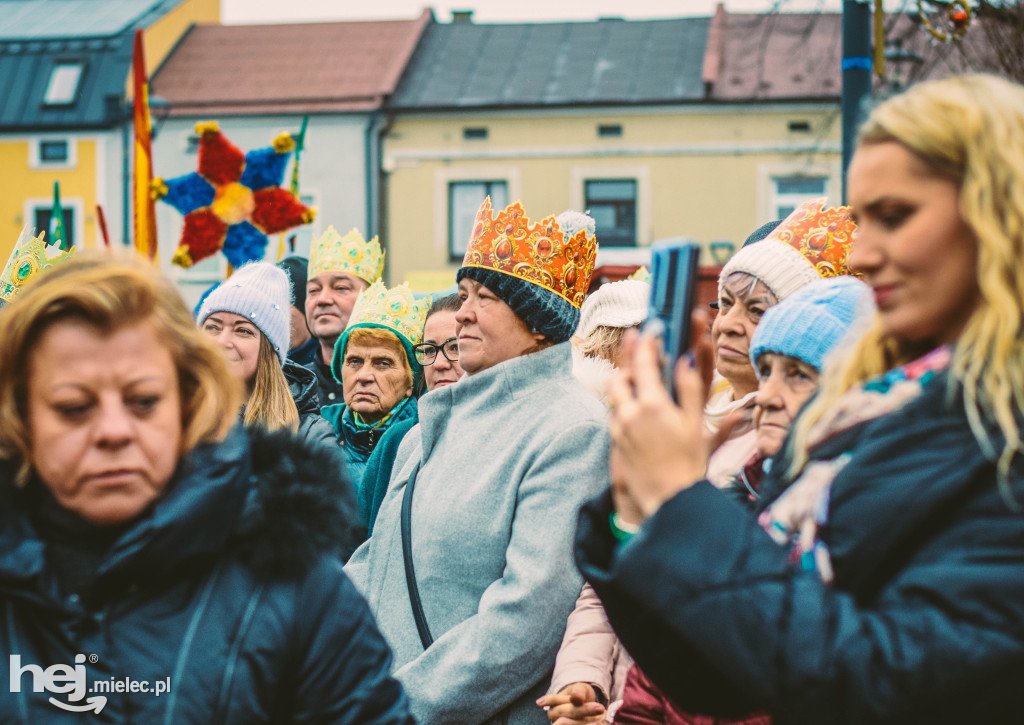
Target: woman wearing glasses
438,355
439,351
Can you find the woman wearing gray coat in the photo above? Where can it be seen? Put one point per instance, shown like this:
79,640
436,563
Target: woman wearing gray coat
499,463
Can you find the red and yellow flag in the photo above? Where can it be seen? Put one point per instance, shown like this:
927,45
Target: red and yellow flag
142,176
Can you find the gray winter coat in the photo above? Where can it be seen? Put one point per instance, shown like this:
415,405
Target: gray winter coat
507,456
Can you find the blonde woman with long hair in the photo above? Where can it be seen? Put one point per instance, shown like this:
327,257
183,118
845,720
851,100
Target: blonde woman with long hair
882,580
248,318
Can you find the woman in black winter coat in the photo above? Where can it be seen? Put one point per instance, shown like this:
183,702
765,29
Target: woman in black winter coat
883,578
157,563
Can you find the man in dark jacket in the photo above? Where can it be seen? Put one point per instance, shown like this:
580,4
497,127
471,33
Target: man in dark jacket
339,269
302,346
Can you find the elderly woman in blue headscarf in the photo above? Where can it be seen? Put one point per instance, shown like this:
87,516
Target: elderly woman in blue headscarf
374,362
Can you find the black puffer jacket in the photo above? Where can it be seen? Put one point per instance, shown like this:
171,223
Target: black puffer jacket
303,385
229,590
924,622
328,390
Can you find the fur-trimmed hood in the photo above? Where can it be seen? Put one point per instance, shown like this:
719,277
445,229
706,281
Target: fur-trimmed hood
302,505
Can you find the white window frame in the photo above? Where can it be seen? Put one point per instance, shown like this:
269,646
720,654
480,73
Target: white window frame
767,198
75,89
641,174
511,175
32,204
497,205
35,160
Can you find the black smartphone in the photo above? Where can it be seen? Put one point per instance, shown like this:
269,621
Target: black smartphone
673,294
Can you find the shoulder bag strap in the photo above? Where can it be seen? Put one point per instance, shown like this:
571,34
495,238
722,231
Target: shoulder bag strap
410,572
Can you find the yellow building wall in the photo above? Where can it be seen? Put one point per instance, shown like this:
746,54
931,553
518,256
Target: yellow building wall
161,37
20,182
704,173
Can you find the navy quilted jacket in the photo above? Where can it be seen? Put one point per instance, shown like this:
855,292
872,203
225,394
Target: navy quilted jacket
229,592
924,622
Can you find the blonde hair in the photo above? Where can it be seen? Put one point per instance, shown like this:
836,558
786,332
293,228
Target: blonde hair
271,404
970,130
110,292
603,342
384,338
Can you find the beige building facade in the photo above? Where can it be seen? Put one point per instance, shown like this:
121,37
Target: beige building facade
709,172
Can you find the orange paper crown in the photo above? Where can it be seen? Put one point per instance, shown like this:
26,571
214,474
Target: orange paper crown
540,253
823,235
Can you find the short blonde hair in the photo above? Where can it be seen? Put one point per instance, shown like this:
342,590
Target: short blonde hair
109,292
968,129
271,404
604,342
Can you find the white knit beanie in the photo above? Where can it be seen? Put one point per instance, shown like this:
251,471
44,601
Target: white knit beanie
782,269
261,292
616,304
814,241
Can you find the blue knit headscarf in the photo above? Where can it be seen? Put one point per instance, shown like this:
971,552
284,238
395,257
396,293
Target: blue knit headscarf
811,322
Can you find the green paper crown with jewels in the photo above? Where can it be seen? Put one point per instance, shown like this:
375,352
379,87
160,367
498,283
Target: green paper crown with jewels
331,252
28,259
396,309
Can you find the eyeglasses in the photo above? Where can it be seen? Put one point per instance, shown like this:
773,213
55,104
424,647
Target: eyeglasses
426,353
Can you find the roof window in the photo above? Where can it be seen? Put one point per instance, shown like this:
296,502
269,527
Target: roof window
62,88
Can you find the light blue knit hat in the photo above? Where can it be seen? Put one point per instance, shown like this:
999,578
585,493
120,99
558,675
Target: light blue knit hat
261,292
810,323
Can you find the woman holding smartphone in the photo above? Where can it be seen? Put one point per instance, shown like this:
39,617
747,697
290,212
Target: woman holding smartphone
897,593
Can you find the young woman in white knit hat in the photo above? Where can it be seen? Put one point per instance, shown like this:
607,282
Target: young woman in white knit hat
248,316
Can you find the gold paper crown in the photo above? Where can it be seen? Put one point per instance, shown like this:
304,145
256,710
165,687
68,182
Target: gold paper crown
26,261
641,275
332,252
396,309
538,253
823,235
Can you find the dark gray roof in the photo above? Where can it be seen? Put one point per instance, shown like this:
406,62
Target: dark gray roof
35,19
36,35
25,69
465,65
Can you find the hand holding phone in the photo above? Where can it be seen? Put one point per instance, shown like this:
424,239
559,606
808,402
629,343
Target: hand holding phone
673,294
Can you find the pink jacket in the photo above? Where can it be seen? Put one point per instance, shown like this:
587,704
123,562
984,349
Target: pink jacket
591,652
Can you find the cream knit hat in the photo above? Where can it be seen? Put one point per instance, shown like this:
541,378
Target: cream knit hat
616,304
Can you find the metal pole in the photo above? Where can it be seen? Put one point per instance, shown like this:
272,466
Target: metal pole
856,73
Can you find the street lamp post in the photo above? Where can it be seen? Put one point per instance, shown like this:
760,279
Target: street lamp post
856,67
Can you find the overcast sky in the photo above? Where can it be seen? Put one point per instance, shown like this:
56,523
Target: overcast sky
499,11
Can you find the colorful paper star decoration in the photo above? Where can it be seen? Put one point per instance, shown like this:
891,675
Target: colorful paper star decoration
233,201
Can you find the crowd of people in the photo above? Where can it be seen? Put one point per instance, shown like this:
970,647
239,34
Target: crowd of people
318,499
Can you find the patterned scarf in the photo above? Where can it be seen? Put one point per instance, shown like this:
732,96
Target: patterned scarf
796,517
